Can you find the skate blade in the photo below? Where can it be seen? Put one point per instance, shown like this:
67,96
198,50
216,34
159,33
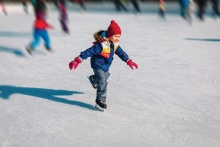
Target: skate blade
99,108
26,53
49,52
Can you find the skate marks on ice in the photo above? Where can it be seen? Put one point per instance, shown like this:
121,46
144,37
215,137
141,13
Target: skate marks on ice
15,51
50,94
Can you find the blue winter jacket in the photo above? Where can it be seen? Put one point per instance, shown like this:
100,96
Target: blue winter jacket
102,55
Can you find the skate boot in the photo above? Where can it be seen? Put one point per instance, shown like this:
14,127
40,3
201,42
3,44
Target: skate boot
92,80
29,49
101,105
49,49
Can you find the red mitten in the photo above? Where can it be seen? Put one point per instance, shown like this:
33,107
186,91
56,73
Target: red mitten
131,64
75,63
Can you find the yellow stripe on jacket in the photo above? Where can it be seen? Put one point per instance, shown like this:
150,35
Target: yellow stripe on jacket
106,49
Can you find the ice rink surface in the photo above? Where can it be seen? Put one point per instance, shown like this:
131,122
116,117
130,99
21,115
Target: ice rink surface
172,100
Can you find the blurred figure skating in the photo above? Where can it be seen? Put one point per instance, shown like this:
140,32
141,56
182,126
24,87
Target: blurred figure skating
40,28
120,4
215,8
3,7
187,8
136,6
192,7
24,3
81,4
201,9
56,3
63,16
161,10
38,5
34,3
184,5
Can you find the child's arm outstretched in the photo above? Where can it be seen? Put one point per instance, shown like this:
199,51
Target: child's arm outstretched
94,50
73,64
124,57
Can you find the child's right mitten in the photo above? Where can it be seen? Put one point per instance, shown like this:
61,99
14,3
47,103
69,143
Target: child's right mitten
75,63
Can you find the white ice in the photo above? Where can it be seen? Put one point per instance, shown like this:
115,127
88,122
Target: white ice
172,100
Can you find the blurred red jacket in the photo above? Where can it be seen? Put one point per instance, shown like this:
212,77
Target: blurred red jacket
40,22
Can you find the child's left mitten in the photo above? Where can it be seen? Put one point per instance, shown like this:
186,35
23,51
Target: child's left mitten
131,64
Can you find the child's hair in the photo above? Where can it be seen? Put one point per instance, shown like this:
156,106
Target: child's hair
99,37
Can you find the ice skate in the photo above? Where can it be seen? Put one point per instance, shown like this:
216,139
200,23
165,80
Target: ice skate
101,105
29,49
5,12
49,49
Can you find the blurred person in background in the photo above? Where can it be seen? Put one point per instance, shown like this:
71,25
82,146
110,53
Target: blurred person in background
192,7
161,10
34,3
63,16
24,3
184,5
40,6
120,4
40,28
56,3
3,7
81,4
187,9
136,6
215,8
201,9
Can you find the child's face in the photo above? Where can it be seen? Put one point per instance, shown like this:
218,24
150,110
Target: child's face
115,38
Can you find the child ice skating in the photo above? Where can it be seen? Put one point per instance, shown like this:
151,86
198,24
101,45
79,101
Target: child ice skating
101,53
40,31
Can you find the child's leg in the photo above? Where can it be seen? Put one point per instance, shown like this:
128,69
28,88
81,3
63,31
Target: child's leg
160,12
182,12
93,80
102,84
36,40
25,7
46,38
215,7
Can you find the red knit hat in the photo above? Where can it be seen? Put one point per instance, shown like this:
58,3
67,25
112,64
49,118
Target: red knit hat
113,29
